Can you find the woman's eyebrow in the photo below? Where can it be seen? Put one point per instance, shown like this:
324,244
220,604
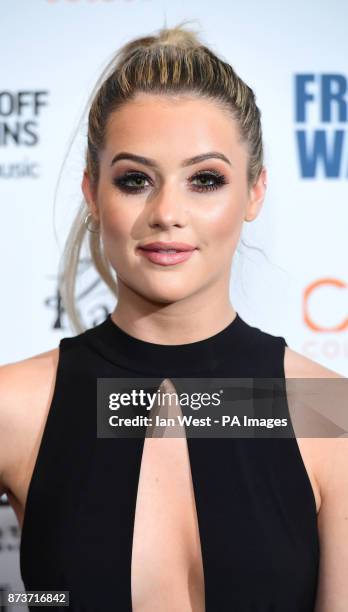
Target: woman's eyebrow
186,162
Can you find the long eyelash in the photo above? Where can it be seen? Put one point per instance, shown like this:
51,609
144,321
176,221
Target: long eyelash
121,181
220,180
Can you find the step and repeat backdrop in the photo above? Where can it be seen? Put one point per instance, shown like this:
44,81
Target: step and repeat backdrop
293,55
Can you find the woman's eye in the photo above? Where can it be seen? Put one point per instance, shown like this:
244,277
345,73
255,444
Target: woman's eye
133,182
209,180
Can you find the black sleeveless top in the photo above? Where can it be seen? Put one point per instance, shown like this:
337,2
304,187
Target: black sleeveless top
255,505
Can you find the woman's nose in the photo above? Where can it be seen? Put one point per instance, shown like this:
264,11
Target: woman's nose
167,208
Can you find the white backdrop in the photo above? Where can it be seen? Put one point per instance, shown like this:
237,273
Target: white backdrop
294,56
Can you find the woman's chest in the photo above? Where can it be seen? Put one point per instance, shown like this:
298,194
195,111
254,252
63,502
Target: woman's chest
167,567
123,520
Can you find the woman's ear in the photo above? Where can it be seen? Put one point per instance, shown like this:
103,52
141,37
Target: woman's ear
89,195
256,196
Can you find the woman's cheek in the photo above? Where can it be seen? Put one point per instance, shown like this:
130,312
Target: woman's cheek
225,222
116,224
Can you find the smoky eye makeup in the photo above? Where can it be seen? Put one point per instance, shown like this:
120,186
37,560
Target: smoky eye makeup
202,181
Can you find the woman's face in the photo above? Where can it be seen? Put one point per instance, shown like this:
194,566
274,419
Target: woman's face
170,196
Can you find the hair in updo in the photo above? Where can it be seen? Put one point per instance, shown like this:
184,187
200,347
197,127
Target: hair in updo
174,61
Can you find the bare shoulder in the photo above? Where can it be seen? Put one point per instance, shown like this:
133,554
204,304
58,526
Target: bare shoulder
317,452
26,388
326,460
297,365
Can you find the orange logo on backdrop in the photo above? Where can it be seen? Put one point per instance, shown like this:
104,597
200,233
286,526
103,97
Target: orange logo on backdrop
324,282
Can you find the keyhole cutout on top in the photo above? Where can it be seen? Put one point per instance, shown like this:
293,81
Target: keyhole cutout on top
167,567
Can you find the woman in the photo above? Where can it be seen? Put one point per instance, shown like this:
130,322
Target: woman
174,161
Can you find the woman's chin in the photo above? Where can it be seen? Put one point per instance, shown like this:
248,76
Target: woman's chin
168,296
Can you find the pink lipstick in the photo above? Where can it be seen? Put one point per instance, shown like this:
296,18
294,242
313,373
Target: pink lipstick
167,253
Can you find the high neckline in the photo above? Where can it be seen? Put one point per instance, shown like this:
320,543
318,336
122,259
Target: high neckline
142,356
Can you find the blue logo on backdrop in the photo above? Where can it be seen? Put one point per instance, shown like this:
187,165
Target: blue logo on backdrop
321,105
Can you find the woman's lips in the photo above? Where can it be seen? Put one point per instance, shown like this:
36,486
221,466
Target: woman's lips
166,259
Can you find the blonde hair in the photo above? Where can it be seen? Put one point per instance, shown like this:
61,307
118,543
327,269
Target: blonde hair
174,61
